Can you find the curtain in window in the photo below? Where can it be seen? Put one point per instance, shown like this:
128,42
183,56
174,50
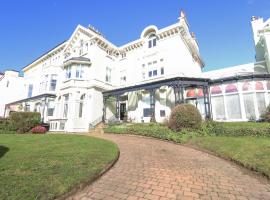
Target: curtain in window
249,106
261,103
218,107
132,101
233,106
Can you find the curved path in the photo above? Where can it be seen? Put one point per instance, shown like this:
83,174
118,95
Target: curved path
153,169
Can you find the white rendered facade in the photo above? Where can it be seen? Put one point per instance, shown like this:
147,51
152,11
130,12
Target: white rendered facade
66,84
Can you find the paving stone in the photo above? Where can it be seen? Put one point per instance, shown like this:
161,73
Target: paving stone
153,169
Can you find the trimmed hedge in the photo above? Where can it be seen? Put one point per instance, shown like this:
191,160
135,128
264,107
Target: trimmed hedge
236,128
161,131
154,130
5,126
24,121
185,116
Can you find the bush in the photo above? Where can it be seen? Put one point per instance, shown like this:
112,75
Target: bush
154,130
24,121
39,129
185,116
5,125
236,128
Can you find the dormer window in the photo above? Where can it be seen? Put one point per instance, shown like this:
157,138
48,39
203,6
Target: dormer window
152,41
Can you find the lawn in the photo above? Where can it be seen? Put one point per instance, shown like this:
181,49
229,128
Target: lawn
252,152
251,149
47,166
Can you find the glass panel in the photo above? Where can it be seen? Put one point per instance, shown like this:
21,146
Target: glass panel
162,113
218,107
231,88
261,103
233,106
216,90
249,106
146,112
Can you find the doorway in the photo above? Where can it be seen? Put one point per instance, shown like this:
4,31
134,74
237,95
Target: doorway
122,110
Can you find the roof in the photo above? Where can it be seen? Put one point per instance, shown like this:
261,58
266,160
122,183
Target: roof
32,98
78,59
44,54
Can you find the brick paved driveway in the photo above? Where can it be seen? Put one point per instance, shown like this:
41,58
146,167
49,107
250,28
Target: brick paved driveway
152,169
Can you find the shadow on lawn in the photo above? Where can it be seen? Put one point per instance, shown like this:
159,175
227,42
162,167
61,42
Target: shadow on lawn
3,151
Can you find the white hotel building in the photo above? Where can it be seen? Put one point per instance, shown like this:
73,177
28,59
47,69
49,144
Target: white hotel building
87,79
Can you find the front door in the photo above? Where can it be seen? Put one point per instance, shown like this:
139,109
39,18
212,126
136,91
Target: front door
122,110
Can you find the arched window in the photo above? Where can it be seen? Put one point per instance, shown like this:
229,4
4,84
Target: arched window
259,86
152,41
191,93
81,105
247,86
231,88
200,92
216,90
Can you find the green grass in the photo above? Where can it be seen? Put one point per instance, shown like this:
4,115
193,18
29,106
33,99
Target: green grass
47,166
252,152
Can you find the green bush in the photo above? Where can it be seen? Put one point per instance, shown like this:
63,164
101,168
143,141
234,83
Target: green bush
185,116
154,130
236,128
24,121
5,125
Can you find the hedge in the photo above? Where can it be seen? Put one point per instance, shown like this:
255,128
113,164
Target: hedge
24,121
236,128
154,130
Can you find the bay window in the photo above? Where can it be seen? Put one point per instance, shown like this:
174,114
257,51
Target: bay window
79,71
53,82
68,72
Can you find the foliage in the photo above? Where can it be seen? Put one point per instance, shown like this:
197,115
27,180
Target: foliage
266,115
6,126
185,116
24,121
236,128
47,166
251,152
155,130
39,129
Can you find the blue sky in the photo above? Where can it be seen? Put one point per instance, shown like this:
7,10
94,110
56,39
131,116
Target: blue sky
30,27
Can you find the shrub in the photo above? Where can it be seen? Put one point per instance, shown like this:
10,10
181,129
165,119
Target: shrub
39,129
185,116
5,125
24,121
236,128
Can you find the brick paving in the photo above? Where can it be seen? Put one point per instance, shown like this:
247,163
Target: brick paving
152,169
